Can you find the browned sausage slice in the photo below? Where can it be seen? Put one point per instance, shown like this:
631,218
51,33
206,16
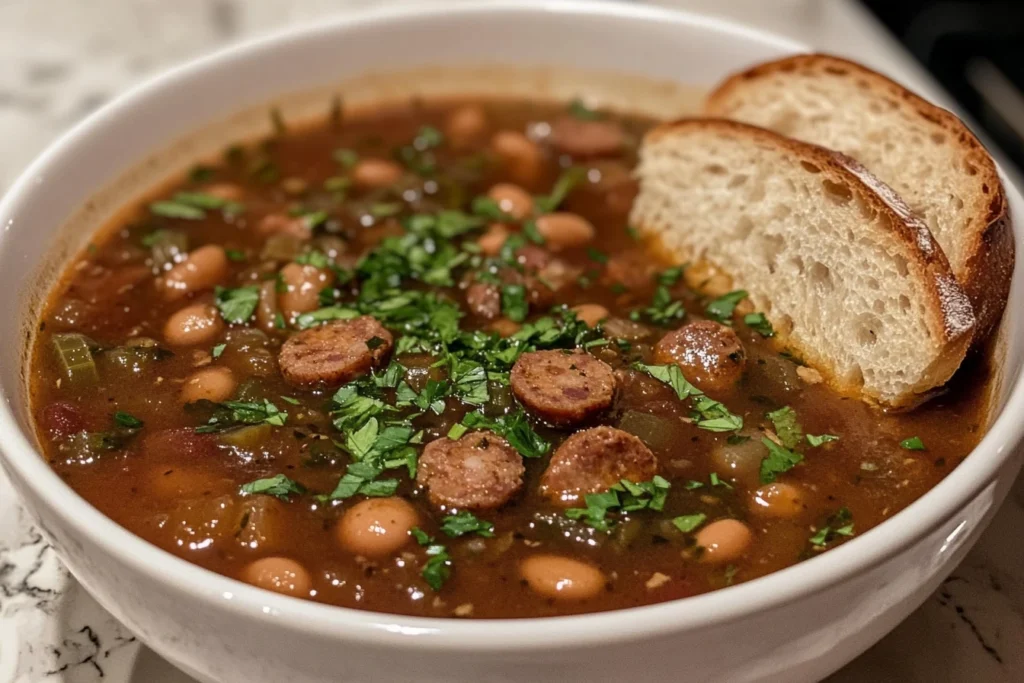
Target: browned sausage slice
593,460
581,138
710,354
335,353
478,471
563,387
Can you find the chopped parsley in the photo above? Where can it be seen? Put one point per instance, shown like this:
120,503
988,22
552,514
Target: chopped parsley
514,428
914,443
672,376
278,486
361,478
708,413
721,309
217,350
779,459
237,305
172,209
466,523
760,324
839,524
192,206
787,427
670,276
457,431
664,310
438,567
570,178
687,523
127,421
715,417
623,497
819,439
234,413
513,303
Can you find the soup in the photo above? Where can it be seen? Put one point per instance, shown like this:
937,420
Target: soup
418,362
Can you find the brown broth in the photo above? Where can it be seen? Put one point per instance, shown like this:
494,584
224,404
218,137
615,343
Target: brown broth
191,506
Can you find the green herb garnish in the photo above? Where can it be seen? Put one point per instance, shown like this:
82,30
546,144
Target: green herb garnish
721,309
779,459
466,523
237,305
278,486
914,443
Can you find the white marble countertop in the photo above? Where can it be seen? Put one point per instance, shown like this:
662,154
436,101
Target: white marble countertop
59,59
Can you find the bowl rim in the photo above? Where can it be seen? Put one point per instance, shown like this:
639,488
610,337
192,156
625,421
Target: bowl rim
779,588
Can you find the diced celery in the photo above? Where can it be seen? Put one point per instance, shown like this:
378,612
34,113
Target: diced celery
75,355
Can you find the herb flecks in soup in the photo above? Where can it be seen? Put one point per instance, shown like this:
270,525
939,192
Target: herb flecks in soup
417,362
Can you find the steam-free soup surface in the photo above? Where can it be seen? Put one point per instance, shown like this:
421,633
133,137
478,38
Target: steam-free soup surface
419,362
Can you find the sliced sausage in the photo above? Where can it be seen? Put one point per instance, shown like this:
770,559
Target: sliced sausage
484,300
335,353
563,387
709,354
479,471
593,460
580,138
634,269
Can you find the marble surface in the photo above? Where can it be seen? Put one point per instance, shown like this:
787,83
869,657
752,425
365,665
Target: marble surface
60,59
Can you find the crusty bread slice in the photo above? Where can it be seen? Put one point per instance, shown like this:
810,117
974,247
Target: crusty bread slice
923,152
851,280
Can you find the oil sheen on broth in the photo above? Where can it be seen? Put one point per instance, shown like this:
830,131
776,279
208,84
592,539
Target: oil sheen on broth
418,362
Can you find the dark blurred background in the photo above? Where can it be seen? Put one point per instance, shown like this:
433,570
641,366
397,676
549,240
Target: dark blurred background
976,50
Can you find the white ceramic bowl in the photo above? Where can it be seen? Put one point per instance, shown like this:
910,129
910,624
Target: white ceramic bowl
795,625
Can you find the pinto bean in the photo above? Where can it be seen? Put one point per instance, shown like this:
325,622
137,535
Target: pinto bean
466,126
377,527
193,325
212,384
205,267
267,308
279,574
561,578
779,500
724,541
563,230
591,314
493,239
229,192
580,138
302,285
373,174
512,199
522,158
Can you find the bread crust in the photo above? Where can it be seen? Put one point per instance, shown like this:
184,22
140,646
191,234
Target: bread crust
986,272
951,316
